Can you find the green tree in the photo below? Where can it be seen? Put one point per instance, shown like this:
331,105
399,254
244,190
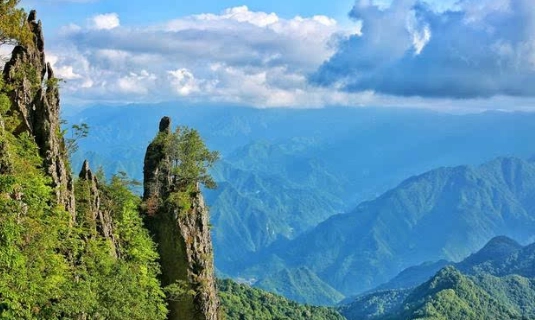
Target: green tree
77,132
191,158
13,26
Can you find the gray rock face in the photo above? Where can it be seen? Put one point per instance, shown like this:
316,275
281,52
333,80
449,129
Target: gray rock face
182,234
35,100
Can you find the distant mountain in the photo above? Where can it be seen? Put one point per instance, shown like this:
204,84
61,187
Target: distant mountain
495,251
285,170
414,276
443,214
301,285
502,270
520,262
268,191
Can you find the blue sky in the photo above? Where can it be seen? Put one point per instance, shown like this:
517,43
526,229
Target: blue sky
137,12
466,55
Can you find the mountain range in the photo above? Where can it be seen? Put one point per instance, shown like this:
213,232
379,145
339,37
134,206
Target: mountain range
283,171
496,282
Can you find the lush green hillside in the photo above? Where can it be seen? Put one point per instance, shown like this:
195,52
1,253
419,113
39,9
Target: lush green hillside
451,295
300,285
243,302
60,263
374,305
498,271
443,214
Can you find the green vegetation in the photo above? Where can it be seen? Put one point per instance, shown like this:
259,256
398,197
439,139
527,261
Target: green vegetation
54,267
76,132
450,295
126,286
374,305
13,26
241,302
497,282
191,158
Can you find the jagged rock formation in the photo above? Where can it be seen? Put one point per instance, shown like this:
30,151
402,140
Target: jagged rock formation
35,100
182,235
90,199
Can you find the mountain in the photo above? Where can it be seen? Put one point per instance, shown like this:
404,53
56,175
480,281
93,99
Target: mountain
285,170
413,276
502,269
442,214
240,301
374,305
451,295
496,250
300,285
278,195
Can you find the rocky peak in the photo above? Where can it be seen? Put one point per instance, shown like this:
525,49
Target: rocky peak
157,165
182,234
165,125
91,202
35,100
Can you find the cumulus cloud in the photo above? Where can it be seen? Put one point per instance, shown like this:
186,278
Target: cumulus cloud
483,48
237,56
105,21
397,53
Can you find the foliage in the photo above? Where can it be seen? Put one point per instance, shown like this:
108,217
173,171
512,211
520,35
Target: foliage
33,233
178,291
13,26
243,302
374,305
191,159
52,268
77,132
128,288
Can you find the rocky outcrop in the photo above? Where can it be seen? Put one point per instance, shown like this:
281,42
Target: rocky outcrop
182,233
90,201
35,101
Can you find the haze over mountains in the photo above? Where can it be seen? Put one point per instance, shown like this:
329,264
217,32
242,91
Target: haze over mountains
285,172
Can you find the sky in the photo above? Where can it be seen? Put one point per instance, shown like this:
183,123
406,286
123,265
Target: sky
450,55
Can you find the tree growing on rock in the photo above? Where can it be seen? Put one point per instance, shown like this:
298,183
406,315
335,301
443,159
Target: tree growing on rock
191,159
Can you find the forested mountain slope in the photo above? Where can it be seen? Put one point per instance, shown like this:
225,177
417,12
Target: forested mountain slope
442,214
497,282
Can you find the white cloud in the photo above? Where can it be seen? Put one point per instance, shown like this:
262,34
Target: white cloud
261,59
238,56
183,82
105,21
